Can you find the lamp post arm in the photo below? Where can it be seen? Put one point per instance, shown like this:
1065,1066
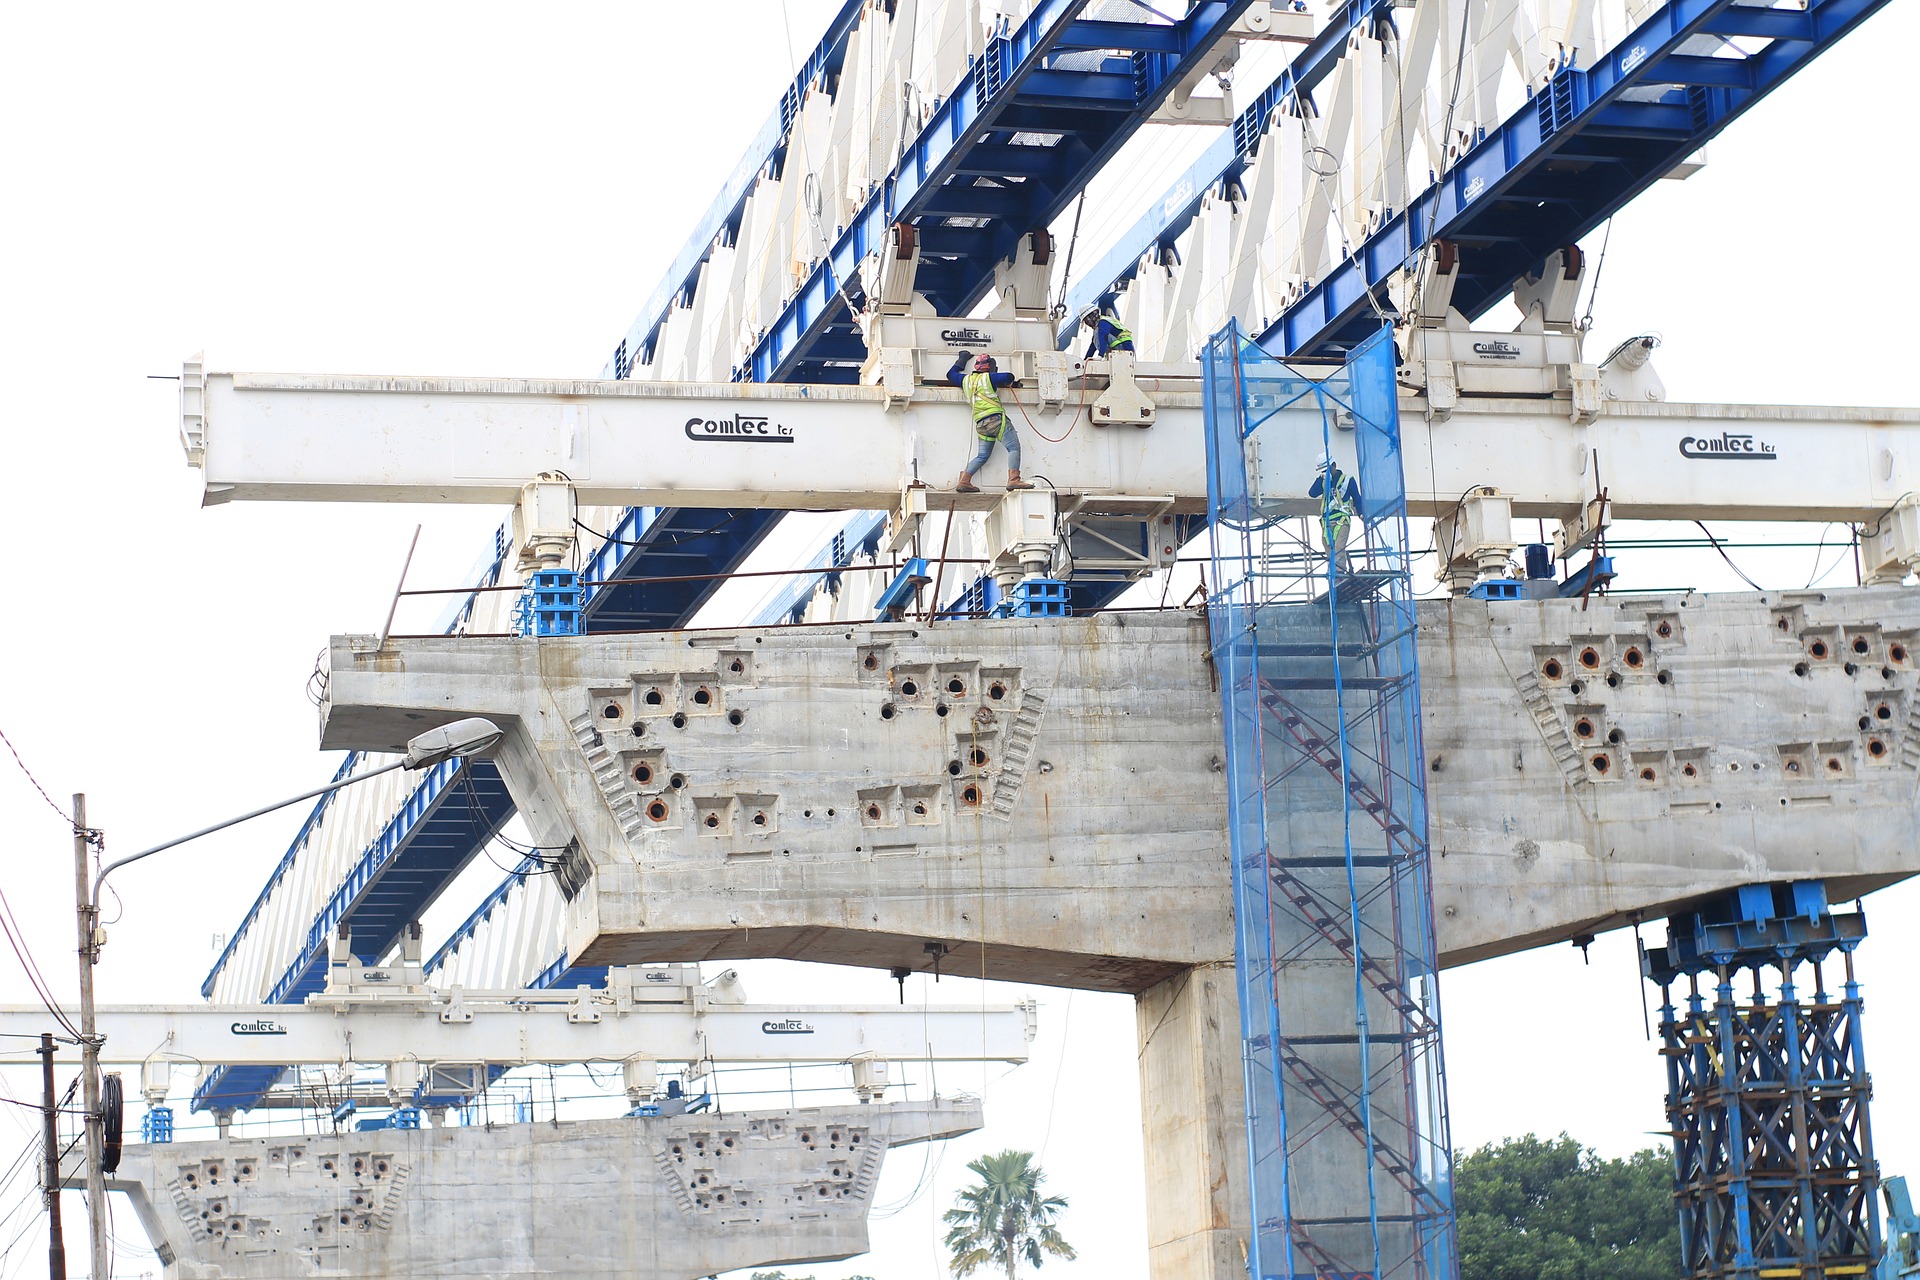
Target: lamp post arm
221,826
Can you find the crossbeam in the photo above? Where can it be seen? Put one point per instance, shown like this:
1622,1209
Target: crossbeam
325,438
552,1031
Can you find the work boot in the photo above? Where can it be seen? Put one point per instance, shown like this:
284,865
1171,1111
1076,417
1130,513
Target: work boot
966,484
1014,481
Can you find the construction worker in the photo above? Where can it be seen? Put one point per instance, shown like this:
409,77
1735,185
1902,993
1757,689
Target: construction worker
990,424
1339,495
1108,333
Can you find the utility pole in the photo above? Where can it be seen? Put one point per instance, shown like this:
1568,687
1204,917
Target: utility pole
90,1048
50,1113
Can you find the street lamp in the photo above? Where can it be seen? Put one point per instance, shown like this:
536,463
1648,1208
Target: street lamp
461,739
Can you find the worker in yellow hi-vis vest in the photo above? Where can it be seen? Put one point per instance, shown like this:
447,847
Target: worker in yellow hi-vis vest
982,388
1339,495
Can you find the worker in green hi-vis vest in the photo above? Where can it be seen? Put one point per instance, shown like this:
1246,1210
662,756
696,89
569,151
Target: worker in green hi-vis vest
982,388
1108,333
1339,495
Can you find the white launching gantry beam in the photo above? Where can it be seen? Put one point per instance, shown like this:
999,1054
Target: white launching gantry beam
660,1014
326,438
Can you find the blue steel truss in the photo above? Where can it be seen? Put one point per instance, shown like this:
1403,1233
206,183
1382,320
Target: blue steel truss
1584,147
1312,627
1003,155
1767,1088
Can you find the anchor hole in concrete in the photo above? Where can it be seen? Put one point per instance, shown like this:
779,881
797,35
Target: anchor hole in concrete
940,710
1897,652
1866,722
1818,648
873,813
919,808
996,691
1601,764
953,766
759,818
657,810
643,773
979,758
871,662
970,794
1860,644
679,720
1648,775
611,711
712,820
956,686
1688,771
1800,668
1576,688
1583,727
736,666
702,698
1793,766
677,781
1876,748
1782,623
1634,658
1590,657
1551,669
1733,766
1613,680
1663,630
886,711
829,813
1851,669
736,716
654,698
908,688
637,728
1833,764
1615,737
1665,677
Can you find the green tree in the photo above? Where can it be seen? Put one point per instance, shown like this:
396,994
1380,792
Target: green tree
1534,1209
1004,1218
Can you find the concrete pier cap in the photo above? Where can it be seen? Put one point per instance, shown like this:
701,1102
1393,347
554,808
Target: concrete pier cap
1044,801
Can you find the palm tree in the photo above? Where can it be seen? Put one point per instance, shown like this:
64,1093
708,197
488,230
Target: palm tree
1005,1218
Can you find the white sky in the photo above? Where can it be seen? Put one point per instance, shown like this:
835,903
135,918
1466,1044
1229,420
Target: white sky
496,189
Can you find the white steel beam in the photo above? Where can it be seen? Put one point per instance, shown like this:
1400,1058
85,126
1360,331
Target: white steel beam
521,1034
419,439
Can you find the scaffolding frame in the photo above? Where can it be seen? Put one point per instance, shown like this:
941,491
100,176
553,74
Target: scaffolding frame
1767,1091
1313,638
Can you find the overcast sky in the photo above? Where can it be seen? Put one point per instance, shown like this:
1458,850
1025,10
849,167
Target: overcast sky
491,189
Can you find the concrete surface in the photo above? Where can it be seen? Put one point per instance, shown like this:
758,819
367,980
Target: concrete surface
1043,801
662,1198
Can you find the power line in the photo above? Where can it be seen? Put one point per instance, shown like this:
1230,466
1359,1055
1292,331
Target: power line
64,815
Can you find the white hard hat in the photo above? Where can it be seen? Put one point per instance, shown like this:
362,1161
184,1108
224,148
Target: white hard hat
1091,315
1324,461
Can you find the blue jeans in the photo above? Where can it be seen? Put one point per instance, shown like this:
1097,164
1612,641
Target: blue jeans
1008,434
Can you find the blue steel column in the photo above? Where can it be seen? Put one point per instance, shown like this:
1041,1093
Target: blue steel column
1767,1093
1347,1134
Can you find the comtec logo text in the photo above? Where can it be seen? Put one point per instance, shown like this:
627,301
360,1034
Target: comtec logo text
787,1027
741,428
1727,447
257,1027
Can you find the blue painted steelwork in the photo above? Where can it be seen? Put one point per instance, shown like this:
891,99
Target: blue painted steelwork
973,181
1034,598
1596,573
1902,1260
1577,153
900,592
300,841
419,851
1319,684
721,222
1767,1092
157,1125
861,533
695,546
1222,164
550,605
